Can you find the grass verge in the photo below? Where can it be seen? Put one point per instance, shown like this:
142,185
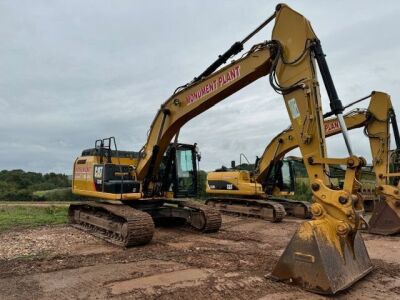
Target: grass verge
15,217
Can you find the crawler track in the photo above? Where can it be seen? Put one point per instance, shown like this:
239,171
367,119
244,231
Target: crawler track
295,208
212,217
264,209
117,224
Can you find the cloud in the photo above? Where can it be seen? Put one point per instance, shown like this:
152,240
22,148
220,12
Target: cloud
75,71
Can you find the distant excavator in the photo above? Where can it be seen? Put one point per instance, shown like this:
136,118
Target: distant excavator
147,186
239,192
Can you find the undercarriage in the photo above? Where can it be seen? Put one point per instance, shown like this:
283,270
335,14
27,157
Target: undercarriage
132,223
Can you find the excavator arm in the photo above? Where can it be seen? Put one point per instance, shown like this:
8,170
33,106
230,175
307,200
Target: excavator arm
385,218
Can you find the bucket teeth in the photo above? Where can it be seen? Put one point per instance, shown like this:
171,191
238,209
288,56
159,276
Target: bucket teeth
385,218
318,265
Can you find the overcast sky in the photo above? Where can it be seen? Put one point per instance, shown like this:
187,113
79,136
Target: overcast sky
75,71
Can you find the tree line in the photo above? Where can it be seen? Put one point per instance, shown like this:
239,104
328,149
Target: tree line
18,185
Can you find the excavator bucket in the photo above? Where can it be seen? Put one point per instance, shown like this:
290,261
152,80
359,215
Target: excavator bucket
315,264
385,218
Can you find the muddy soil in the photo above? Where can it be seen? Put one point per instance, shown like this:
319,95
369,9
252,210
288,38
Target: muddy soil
61,262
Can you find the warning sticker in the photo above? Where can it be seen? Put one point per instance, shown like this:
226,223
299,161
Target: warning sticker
294,110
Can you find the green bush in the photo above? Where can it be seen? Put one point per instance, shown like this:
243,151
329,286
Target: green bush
18,185
63,194
303,192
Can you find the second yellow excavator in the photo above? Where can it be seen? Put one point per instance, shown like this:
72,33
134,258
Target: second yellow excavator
254,191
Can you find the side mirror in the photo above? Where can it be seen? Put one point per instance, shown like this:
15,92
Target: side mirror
233,164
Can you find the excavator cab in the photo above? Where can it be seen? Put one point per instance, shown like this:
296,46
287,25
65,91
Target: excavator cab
281,178
178,170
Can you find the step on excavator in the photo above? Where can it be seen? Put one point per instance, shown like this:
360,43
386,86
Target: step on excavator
273,177
325,255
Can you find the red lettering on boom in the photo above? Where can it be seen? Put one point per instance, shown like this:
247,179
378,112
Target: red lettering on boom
208,88
332,127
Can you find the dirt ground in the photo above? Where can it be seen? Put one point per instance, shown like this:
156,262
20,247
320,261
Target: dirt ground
60,262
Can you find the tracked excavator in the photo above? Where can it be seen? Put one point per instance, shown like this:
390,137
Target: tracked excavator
325,255
240,191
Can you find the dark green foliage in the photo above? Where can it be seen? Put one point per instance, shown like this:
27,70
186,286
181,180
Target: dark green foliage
298,168
18,185
61,194
302,192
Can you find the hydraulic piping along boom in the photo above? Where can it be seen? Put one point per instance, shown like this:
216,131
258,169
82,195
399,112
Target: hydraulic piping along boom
233,50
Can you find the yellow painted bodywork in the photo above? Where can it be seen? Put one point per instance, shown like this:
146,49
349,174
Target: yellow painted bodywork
83,178
334,220
378,131
240,179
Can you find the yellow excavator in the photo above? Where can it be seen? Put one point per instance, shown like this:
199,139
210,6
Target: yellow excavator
385,217
325,255
250,190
